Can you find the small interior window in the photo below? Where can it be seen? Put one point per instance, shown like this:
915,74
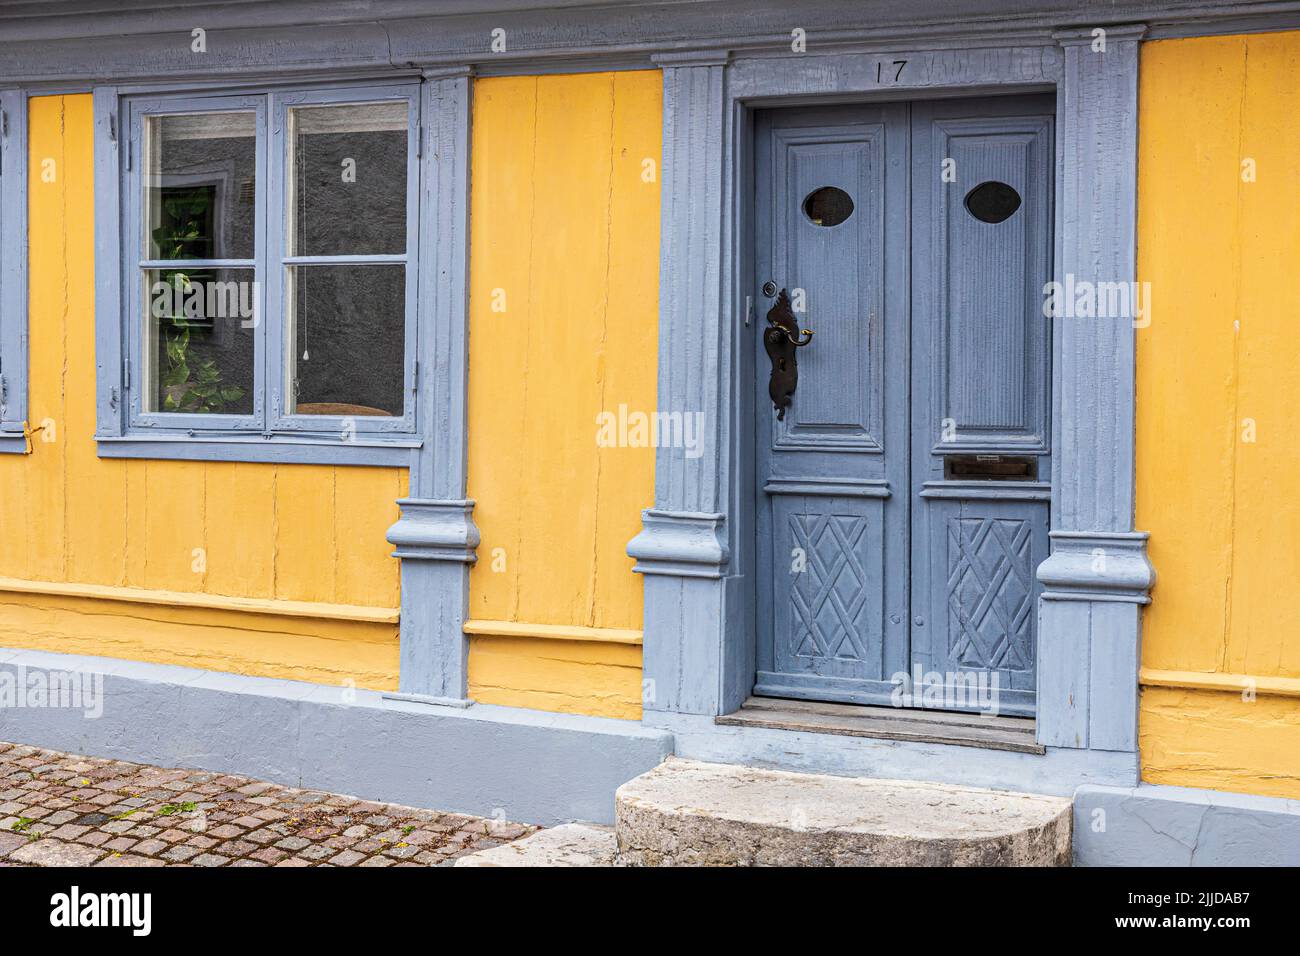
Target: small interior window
992,202
828,206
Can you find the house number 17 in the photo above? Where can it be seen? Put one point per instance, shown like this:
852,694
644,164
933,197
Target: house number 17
883,69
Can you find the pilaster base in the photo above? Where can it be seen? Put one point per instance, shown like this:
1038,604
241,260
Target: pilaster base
436,541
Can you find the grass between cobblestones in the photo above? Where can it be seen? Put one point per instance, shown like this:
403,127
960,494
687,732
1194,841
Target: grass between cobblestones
59,809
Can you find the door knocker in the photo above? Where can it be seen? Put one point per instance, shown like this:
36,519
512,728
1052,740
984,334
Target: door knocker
781,338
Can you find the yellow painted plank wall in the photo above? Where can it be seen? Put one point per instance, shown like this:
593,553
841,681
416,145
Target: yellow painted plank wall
286,533
563,326
1218,397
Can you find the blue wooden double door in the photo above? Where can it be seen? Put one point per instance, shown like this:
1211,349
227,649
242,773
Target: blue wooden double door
903,495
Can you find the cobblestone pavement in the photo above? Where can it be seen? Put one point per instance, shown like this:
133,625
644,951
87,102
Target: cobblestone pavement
59,809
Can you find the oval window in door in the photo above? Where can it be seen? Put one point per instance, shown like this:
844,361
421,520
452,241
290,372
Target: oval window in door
828,206
992,202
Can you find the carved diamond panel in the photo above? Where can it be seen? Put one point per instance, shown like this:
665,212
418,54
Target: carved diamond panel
990,593
829,597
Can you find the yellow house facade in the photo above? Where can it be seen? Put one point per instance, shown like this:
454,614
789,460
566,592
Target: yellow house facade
480,538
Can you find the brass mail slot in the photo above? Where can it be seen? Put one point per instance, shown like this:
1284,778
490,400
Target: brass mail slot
990,467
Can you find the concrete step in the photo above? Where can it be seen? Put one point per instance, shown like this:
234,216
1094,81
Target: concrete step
572,844
687,813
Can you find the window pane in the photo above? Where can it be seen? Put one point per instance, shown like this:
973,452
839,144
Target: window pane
347,191
349,329
200,186
199,326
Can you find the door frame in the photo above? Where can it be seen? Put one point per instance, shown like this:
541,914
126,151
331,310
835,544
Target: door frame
891,481
695,548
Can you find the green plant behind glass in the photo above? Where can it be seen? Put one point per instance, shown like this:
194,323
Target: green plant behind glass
186,233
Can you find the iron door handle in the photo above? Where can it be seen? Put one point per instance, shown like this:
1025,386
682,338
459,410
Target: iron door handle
781,337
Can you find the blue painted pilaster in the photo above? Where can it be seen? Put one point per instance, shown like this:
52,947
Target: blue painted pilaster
1097,577
436,543
683,548
435,536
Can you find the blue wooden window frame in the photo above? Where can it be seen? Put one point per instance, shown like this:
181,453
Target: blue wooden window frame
281,104
13,271
125,429
138,112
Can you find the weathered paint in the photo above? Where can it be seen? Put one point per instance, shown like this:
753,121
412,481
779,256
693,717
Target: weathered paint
577,677
282,533
319,649
1151,825
1217,361
563,325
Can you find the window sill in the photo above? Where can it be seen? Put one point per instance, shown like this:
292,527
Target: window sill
281,449
13,443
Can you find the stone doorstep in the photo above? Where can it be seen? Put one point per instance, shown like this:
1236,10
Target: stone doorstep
570,844
688,813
